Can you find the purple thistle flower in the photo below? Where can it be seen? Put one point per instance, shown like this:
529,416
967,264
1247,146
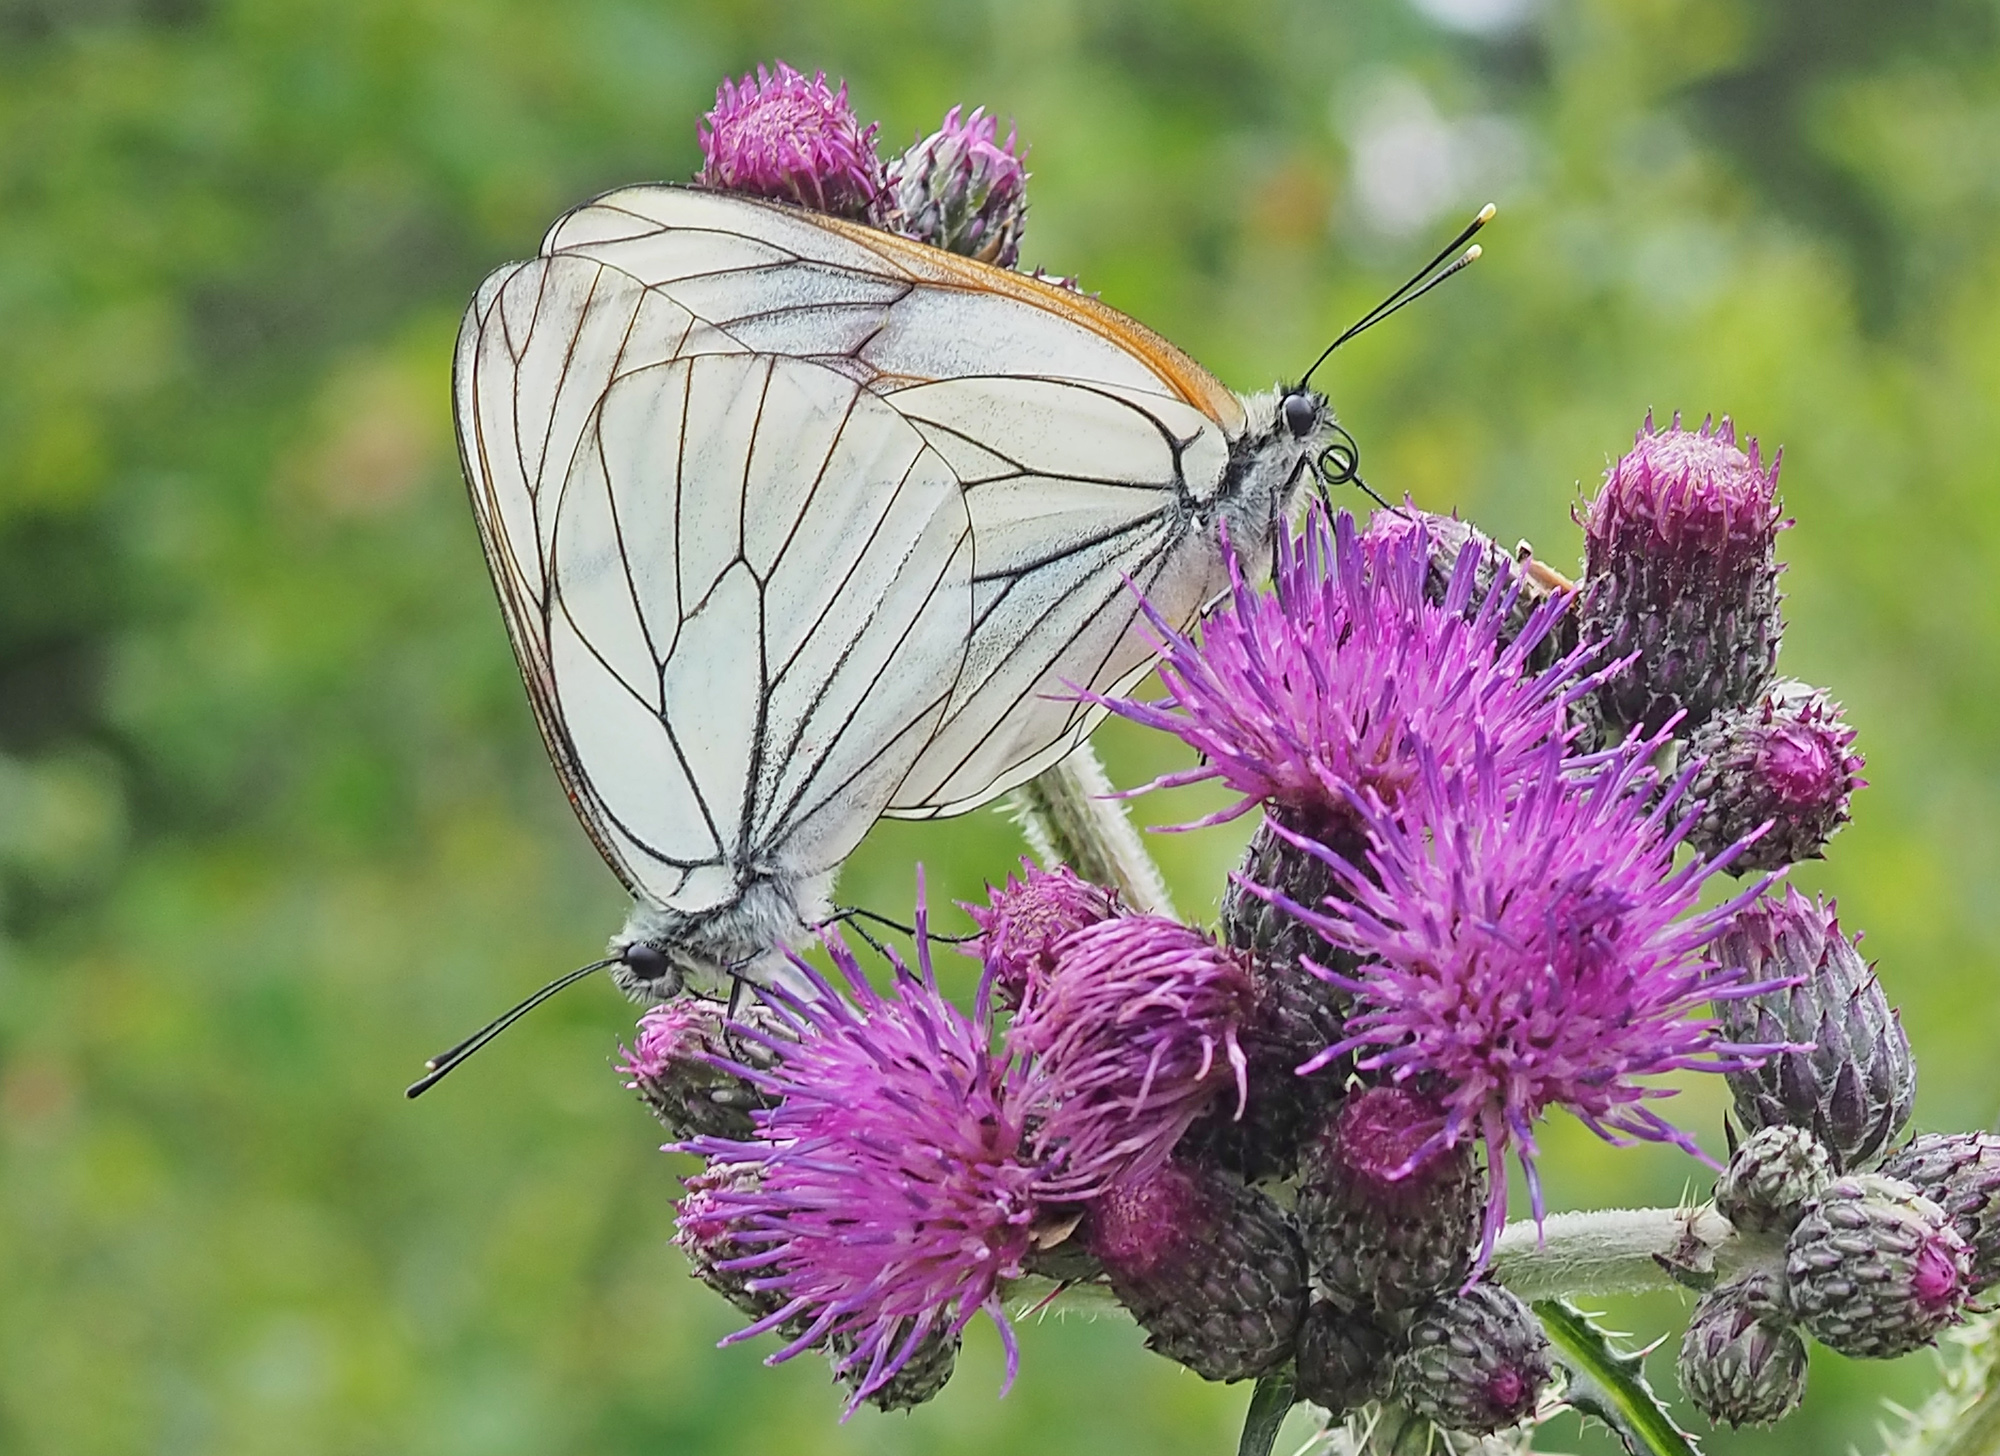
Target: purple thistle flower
1528,945
1681,575
1131,1036
780,135
1023,919
896,1189
1328,688
964,190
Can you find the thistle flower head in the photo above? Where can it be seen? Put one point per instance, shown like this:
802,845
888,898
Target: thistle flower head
895,1189
964,190
1328,687
1680,568
1022,921
1787,758
1529,946
1741,1362
1131,1036
1875,1269
780,135
1688,490
1389,1212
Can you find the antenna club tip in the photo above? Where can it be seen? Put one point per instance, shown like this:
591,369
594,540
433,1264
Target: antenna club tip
1474,252
1486,213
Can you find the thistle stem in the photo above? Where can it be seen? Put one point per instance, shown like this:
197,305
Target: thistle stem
1068,816
1621,1251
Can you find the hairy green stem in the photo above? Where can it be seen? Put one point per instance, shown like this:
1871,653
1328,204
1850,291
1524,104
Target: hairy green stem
1622,1251
1068,816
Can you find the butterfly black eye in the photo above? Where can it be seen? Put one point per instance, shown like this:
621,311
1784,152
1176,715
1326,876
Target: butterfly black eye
646,962
1301,412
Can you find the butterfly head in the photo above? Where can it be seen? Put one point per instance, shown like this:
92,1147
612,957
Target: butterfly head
662,951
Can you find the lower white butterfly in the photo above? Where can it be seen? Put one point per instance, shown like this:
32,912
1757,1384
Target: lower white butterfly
796,523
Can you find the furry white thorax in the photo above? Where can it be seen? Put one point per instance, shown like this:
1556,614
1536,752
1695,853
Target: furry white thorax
1273,472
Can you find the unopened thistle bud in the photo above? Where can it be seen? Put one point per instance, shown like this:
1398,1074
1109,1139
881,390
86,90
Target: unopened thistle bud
1786,760
674,1065
964,190
1960,1172
1477,1361
1209,1266
1854,1088
1770,1177
1741,1362
1875,1268
1390,1215
1681,568
1343,1358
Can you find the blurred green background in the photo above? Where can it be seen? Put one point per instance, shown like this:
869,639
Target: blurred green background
274,821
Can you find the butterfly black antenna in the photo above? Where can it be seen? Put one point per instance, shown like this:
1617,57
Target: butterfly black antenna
1421,282
445,1062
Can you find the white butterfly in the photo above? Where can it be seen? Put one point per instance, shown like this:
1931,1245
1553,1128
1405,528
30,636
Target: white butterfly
796,523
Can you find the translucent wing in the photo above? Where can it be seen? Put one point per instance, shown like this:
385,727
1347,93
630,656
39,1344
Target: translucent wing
794,523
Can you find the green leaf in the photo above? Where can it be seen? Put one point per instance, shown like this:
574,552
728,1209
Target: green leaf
1270,1403
1610,1384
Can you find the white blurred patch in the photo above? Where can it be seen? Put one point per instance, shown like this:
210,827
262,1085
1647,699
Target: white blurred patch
1410,165
1477,17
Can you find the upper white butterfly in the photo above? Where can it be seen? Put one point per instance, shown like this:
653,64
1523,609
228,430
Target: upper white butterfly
796,523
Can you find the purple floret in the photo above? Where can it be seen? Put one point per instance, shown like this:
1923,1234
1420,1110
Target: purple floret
1131,1037
1330,687
896,1191
1527,944
780,135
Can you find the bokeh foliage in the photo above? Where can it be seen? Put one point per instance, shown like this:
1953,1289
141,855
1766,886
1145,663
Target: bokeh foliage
274,822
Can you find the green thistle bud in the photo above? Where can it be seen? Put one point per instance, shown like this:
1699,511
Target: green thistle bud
1786,760
1770,1177
1379,1241
1741,1363
1960,1172
1209,1266
1875,1268
1343,1358
1476,1361
1855,1086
